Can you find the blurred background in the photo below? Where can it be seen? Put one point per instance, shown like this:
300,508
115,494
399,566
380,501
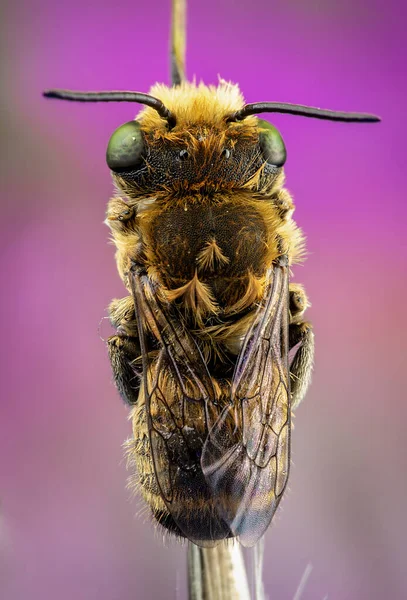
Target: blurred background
68,526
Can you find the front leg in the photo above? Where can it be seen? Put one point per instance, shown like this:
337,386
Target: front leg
121,218
301,334
124,349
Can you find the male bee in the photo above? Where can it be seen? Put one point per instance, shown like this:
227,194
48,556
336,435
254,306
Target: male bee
211,350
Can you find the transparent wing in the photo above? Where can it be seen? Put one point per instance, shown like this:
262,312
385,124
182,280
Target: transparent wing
246,456
181,407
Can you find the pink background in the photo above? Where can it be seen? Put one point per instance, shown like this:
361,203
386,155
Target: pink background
68,527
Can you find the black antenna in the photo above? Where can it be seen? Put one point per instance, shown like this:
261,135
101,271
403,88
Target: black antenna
138,97
304,111
178,42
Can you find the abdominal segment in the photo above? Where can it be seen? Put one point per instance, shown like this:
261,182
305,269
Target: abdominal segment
172,482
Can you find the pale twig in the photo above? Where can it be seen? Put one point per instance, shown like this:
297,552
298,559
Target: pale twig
258,570
217,573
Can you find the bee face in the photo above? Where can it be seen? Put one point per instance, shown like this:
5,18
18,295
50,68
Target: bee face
196,160
203,151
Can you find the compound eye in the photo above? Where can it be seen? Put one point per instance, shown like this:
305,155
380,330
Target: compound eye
126,147
271,144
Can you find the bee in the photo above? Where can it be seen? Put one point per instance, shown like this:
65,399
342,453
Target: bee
211,349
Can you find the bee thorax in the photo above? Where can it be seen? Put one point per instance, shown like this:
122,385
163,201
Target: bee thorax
214,246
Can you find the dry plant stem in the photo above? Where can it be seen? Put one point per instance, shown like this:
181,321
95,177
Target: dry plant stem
178,41
217,573
258,552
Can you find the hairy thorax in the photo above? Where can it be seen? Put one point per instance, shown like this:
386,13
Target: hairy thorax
206,255
209,254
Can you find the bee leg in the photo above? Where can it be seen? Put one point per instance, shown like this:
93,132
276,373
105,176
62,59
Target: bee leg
124,349
123,352
298,302
119,214
301,335
122,316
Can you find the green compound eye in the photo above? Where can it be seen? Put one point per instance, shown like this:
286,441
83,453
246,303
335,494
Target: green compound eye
271,144
126,147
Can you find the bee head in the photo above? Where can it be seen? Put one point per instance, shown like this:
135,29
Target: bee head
198,133
127,147
202,147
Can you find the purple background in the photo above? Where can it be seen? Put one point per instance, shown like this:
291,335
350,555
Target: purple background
68,527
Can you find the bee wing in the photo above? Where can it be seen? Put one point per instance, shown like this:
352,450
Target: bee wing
178,392
246,456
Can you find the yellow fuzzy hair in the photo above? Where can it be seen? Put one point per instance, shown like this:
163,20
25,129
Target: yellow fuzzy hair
195,104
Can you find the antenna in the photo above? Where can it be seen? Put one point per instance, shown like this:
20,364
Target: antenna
138,97
303,111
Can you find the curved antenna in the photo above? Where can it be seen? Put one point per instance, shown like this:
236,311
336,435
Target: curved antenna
178,41
138,97
304,111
